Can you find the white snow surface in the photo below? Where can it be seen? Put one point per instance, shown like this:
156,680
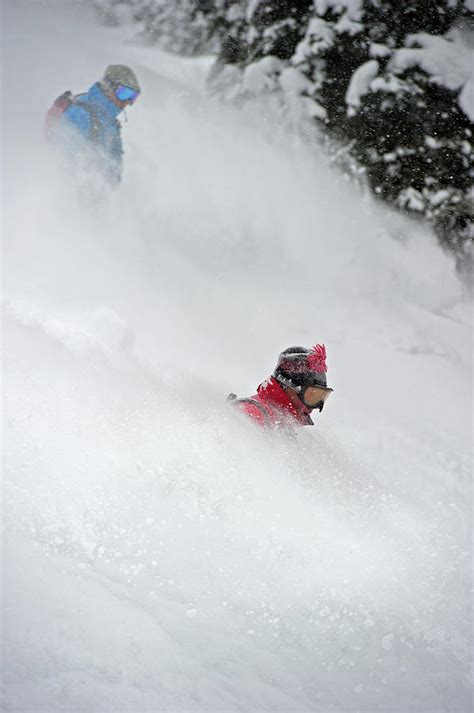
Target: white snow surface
159,552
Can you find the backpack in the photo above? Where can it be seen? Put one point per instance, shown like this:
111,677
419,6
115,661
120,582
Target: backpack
60,105
232,399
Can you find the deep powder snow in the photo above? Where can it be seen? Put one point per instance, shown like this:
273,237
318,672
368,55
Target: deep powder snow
159,553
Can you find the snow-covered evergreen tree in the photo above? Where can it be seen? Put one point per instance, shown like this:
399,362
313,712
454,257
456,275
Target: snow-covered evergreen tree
391,81
227,20
408,116
276,27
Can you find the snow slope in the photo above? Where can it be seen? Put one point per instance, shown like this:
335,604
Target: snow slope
158,553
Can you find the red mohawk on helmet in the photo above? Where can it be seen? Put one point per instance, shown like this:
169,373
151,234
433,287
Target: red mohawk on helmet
317,359
299,366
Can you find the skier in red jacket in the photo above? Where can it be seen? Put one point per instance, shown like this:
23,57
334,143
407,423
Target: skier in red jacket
297,387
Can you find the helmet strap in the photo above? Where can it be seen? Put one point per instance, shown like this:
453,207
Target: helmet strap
285,381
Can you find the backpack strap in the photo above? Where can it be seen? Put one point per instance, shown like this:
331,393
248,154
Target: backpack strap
95,123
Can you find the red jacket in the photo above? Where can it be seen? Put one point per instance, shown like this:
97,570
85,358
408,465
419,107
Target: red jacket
271,406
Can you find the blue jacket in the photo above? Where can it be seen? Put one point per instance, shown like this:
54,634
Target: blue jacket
99,126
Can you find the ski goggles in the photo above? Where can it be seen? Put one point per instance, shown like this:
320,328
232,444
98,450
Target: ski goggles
126,94
313,396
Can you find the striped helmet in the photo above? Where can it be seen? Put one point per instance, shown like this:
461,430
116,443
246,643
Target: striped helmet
117,74
299,366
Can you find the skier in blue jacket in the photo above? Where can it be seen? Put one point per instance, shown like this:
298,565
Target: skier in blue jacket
93,116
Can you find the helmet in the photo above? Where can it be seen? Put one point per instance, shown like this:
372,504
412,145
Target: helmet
117,74
302,367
